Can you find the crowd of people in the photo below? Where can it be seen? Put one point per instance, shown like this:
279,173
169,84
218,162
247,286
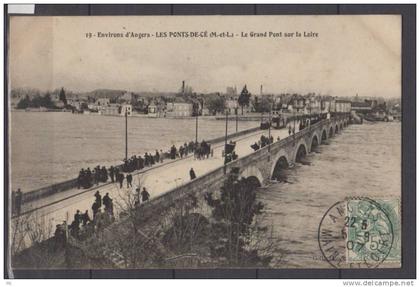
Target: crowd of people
264,141
203,150
83,225
304,123
88,178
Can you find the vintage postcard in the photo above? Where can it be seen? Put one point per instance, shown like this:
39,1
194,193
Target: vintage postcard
141,142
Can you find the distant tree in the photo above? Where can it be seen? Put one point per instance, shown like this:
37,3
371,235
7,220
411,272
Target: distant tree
62,96
263,106
47,102
243,99
216,104
24,103
84,106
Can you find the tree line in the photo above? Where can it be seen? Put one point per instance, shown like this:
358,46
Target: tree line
39,101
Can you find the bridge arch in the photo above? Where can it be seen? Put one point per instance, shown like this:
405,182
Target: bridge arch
301,151
280,163
323,136
314,141
253,175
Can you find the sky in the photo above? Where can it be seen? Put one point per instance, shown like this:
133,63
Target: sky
352,54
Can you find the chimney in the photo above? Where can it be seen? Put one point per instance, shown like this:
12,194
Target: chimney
183,87
261,90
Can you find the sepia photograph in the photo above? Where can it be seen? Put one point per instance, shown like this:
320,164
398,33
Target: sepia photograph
203,142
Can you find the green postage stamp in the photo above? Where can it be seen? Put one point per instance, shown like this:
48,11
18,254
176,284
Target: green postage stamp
373,231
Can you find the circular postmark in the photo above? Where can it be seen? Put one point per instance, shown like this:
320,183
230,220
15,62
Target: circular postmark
355,233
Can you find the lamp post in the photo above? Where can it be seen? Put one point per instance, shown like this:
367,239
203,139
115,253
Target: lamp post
236,113
126,134
196,128
269,132
269,121
226,134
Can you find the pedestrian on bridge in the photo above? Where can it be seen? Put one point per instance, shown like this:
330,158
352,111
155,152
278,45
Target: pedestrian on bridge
77,218
192,174
60,234
140,162
129,180
98,198
18,199
144,195
95,209
255,146
120,179
112,173
234,156
106,200
104,174
85,218
157,156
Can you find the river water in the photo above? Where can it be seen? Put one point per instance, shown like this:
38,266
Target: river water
364,160
47,148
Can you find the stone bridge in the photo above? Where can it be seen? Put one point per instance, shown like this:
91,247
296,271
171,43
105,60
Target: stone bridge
259,167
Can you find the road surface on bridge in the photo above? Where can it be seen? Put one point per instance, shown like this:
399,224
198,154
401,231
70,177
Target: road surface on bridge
158,179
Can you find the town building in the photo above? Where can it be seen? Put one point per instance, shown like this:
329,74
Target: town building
179,109
362,107
313,106
102,102
327,105
297,104
342,106
93,107
111,110
126,108
76,103
155,111
231,105
116,110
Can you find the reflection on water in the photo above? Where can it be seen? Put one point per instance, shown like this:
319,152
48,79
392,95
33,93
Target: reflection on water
364,160
47,148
